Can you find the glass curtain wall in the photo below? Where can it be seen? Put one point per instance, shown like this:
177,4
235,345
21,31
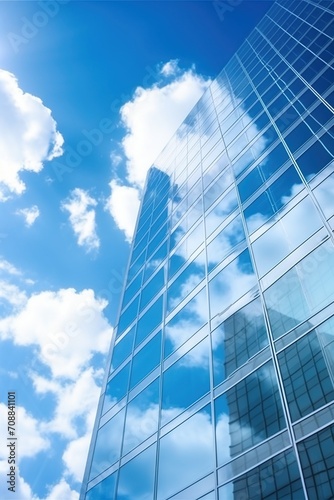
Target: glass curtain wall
220,383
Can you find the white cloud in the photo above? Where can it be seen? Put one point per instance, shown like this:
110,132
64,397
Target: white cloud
74,399
150,118
29,214
75,455
170,68
12,294
34,441
115,159
123,205
28,135
62,491
8,268
82,218
67,326
22,489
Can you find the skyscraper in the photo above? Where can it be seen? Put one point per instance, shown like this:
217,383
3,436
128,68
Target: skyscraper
220,382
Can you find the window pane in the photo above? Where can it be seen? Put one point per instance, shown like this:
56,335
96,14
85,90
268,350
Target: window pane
116,388
136,478
122,350
141,417
248,413
152,289
231,283
186,454
277,478
190,374
306,379
105,489
186,282
302,291
108,444
317,458
149,321
146,360
225,242
186,322
286,235
237,339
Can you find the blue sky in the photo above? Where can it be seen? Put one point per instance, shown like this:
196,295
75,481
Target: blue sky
90,92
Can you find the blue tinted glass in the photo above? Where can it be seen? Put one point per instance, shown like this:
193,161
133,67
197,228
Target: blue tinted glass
105,489
306,379
186,322
302,291
186,282
278,194
136,478
277,478
286,235
141,417
250,184
122,350
186,454
154,262
237,339
149,321
190,374
146,359
224,243
248,413
313,160
108,444
231,283
152,289
221,211
128,316
317,458
116,389
132,289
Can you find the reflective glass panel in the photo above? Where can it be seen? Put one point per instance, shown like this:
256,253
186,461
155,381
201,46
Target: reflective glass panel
128,316
237,339
224,243
152,289
317,458
108,444
105,489
307,380
248,413
186,282
315,158
122,350
302,291
116,388
186,454
136,478
149,321
221,211
141,417
277,478
190,374
186,322
286,235
234,281
146,360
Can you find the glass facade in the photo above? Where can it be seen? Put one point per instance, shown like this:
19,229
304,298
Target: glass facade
220,382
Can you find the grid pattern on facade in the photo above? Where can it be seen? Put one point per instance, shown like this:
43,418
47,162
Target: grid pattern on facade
221,356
